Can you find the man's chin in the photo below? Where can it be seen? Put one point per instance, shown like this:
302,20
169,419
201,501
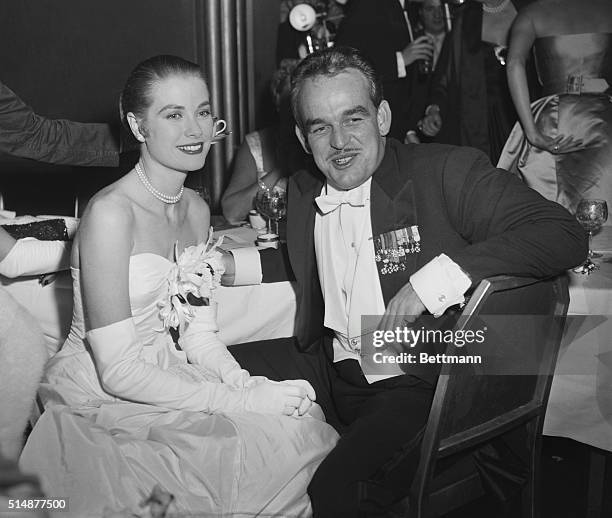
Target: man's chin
347,184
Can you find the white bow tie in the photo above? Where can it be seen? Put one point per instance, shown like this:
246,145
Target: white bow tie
328,203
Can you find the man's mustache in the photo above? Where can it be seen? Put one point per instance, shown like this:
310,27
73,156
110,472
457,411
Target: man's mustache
342,152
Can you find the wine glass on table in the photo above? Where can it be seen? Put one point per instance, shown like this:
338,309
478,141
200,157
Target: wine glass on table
278,206
592,214
271,202
262,201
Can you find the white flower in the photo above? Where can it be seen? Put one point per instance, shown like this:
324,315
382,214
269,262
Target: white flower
197,271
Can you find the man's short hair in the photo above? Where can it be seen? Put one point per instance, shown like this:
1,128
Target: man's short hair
330,62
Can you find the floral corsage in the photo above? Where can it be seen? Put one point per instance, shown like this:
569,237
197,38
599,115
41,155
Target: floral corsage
195,273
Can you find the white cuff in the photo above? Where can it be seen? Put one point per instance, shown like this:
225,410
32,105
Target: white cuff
30,256
401,64
441,283
247,266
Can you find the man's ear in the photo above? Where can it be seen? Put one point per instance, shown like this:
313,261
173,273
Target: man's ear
302,139
137,130
383,117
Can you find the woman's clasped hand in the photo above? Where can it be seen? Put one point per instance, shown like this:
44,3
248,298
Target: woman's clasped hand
289,397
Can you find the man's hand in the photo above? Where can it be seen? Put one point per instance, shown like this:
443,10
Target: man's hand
403,309
421,48
411,138
431,124
271,178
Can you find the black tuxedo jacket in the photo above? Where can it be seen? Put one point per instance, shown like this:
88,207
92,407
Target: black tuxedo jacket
378,29
483,218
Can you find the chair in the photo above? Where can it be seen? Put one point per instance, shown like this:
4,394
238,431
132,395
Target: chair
473,406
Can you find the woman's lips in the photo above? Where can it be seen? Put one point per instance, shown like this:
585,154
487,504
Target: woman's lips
192,149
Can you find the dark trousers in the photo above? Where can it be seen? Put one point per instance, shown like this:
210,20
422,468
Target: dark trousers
381,427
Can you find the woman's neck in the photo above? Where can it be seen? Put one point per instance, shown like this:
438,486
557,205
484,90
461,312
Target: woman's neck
496,23
160,179
494,5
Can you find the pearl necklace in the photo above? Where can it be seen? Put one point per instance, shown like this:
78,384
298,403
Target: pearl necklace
158,194
497,9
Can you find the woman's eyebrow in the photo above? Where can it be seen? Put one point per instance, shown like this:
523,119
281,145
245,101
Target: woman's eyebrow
171,107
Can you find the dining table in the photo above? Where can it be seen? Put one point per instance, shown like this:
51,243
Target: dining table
580,402
253,312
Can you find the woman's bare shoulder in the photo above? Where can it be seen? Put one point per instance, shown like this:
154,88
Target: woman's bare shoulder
109,206
107,219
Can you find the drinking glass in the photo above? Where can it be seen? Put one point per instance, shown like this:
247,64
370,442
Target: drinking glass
592,214
203,193
278,206
272,204
262,200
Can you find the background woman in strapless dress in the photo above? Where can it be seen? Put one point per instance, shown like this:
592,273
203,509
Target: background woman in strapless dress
470,104
563,145
128,404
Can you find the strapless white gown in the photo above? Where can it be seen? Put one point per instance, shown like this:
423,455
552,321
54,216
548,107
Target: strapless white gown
102,452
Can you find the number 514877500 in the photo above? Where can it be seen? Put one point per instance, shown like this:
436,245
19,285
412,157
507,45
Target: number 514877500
26,504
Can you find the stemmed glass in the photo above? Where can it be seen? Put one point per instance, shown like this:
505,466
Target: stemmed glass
271,203
592,214
203,192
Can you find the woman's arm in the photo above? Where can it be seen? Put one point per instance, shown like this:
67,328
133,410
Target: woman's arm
105,244
238,197
521,41
7,242
31,256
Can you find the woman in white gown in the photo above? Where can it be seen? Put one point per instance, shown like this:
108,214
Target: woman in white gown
128,407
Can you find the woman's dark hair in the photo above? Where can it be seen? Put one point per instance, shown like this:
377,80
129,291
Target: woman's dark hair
136,94
330,62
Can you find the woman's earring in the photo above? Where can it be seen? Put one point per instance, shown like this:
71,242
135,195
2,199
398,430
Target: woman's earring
220,127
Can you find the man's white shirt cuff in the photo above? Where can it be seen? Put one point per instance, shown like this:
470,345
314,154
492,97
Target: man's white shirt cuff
247,266
441,283
401,65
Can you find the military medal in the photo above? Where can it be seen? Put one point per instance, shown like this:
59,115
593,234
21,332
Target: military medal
392,249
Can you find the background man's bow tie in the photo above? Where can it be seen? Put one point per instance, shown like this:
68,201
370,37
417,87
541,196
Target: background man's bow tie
329,203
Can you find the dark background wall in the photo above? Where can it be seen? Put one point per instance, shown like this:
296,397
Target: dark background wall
70,58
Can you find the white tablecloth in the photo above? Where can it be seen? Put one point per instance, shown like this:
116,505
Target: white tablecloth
580,404
245,313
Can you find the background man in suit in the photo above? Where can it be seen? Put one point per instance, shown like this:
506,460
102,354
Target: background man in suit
24,133
383,31
430,15
465,221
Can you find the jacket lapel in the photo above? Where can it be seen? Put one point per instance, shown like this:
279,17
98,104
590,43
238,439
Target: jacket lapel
303,187
300,219
392,207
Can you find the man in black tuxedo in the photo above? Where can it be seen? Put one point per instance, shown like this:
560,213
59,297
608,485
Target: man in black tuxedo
383,31
462,219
